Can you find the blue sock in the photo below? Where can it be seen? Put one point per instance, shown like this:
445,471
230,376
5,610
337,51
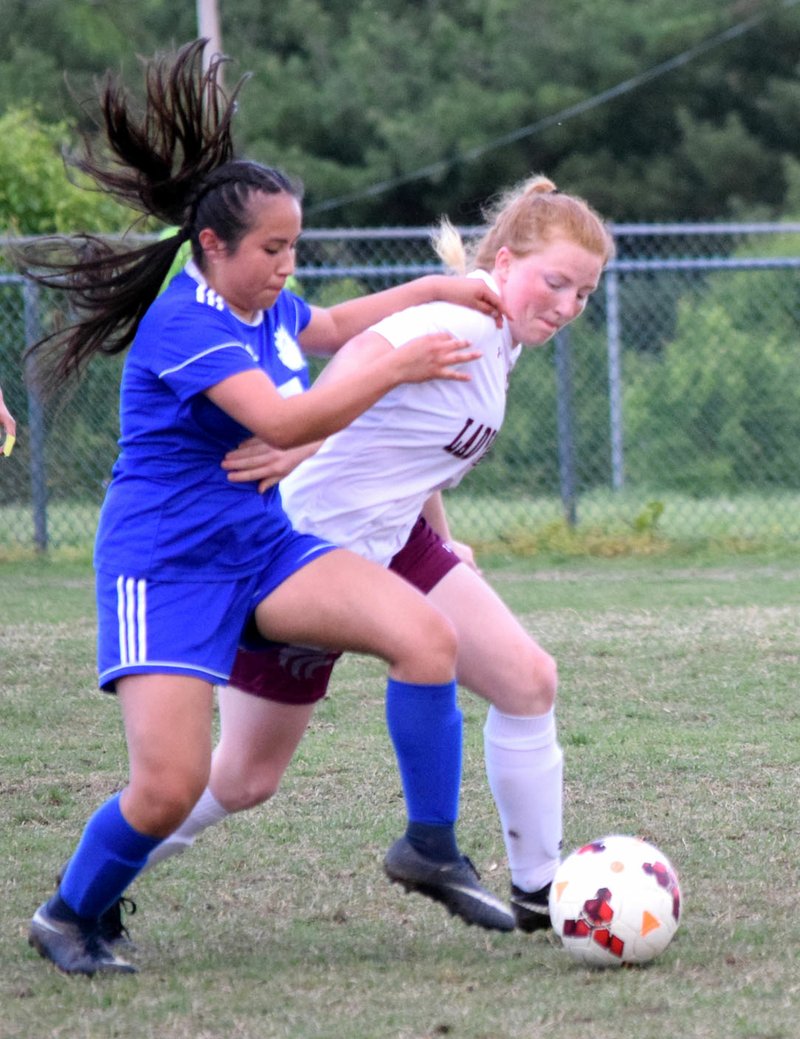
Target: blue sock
108,857
424,724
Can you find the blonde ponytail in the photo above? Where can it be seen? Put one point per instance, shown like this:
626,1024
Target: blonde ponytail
449,247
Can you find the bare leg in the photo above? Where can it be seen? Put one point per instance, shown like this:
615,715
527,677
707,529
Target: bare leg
340,601
257,741
168,729
496,658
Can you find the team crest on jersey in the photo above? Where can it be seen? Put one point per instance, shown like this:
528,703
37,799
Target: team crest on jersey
288,350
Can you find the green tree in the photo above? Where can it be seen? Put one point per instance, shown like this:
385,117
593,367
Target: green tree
356,98
717,409
36,196
52,52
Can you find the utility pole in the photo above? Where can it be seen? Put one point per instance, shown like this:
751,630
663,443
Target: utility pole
208,26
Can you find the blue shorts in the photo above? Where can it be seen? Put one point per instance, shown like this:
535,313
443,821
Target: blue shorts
300,675
147,626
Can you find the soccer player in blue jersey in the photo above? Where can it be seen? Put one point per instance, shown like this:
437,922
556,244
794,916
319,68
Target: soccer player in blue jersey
183,556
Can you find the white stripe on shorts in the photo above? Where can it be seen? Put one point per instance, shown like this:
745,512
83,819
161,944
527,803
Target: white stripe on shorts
132,619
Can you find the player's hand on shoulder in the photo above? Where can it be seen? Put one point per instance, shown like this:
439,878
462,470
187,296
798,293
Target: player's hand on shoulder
435,355
475,293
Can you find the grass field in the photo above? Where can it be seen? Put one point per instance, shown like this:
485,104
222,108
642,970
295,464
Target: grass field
679,720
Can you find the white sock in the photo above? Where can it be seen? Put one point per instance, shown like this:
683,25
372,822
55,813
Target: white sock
207,812
524,765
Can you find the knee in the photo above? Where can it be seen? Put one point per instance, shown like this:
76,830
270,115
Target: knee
545,681
428,655
248,789
533,685
443,639
157,805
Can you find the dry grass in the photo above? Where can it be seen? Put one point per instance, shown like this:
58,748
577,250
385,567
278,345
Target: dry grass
679,720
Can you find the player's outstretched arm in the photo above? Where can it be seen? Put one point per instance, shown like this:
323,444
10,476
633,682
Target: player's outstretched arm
329,329
9,427
251,398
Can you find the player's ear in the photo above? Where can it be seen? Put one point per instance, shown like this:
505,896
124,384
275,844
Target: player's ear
211,244
502,262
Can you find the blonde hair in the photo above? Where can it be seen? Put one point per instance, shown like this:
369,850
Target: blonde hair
524,219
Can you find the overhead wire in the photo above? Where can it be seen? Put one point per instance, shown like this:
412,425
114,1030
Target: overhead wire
556,119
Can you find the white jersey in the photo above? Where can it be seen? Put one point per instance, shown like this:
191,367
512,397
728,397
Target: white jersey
365,487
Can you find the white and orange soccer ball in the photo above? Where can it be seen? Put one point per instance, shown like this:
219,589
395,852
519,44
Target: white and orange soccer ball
615,901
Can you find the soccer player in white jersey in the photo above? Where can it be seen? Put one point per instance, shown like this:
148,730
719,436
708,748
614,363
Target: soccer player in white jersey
375,487
183,555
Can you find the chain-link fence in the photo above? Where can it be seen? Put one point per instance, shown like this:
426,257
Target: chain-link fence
670,410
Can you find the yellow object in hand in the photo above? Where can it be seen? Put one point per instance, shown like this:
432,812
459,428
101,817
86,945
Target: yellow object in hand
8,445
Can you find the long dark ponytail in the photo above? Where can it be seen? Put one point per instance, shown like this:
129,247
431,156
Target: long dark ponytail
173,160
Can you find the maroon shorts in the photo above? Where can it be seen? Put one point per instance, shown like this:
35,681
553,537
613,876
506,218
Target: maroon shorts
299,674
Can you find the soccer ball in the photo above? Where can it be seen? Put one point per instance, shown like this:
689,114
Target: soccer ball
615,901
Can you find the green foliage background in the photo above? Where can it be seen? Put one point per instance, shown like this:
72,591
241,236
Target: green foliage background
36,196
349,96
369,92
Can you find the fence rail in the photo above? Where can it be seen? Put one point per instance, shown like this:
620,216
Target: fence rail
671,407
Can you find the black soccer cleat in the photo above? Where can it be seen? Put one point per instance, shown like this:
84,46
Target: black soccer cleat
112,930
74,947
455,884
531,909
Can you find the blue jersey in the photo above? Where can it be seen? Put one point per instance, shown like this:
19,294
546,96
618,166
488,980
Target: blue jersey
170,511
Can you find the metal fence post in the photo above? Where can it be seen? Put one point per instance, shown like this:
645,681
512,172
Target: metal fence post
36,423
614,380
566,439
